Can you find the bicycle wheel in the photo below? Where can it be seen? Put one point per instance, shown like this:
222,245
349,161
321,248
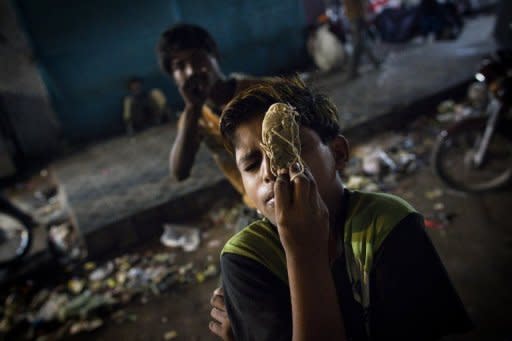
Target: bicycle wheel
15,239
453,157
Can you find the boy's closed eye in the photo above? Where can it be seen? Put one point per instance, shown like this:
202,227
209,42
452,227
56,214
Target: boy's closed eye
251,167
250,161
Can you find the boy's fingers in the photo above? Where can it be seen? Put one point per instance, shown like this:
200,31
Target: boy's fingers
312,184
219,315
216,328
218,302
301,188
282,192
295,169
219,291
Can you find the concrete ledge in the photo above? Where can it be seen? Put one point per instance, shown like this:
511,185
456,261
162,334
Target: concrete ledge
147,224
400,116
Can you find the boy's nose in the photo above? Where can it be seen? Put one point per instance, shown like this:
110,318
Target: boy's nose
267,172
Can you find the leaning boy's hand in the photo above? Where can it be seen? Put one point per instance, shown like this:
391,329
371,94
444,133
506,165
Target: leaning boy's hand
302,217
194,91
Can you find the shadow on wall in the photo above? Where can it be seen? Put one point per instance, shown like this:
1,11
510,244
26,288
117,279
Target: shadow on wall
29,128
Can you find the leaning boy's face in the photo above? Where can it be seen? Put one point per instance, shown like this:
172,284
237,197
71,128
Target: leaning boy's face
195,63
254,165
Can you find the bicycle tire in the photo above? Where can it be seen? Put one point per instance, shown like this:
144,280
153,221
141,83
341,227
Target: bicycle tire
476,125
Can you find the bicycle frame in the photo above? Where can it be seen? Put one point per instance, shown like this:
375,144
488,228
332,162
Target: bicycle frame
493,112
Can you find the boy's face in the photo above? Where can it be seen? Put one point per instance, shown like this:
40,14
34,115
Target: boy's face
323,160
195,63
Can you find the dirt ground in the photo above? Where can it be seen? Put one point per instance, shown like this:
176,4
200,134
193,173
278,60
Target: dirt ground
185,310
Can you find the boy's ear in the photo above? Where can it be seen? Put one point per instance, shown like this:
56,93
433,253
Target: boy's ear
340,150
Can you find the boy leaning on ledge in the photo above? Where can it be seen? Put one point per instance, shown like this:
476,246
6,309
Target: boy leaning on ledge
325,262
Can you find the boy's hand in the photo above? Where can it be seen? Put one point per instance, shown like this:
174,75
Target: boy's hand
194,91
220,326
302,217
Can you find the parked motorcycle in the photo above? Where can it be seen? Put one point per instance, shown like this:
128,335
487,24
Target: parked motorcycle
15,233
475,154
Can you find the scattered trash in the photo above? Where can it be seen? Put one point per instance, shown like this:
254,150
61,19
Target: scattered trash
446,117
122,316
387,160
447,106
164,257
83,298
379,166
434,194
170,335
89,266
85,326
438,206
50,309
439,220
67,242
436,224
358,182
210,271
214,243
101,273
181,236
371,164
231,217
76,285
90,295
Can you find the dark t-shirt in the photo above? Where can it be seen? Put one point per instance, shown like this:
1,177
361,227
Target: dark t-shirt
410,293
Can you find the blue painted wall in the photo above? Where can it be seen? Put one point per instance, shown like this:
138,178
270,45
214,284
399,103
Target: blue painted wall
88,49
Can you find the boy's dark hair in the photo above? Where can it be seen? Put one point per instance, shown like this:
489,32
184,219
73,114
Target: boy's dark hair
180,37
316,111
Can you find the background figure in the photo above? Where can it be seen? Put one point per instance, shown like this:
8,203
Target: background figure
355,11
442,19
189,55
503,26
142,108
431,18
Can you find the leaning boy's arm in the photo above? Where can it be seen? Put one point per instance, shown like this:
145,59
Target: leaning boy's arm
186,144
412,295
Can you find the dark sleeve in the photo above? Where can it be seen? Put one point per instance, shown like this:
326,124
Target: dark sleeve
257,301
412,296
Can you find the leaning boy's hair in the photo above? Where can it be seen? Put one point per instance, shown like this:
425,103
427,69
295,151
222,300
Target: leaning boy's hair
316,111
180,37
